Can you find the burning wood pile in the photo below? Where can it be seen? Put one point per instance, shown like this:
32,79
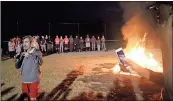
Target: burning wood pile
140,56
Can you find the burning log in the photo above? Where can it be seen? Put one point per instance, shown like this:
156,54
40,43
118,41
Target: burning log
129,70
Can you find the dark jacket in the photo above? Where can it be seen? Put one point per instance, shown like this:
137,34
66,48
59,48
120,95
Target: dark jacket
76,41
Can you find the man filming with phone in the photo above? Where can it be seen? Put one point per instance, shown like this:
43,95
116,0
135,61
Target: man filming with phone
29,63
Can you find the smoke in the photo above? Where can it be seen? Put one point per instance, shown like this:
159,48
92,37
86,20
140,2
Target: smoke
138,21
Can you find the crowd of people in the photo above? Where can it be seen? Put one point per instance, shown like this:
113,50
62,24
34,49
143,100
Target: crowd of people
47,44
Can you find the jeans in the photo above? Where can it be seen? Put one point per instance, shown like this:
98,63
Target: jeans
98,47
61,48
93,46
103,46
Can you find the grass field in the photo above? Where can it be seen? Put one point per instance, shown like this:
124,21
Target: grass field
97,77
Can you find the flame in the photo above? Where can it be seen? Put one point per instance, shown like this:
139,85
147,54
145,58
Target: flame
116,68
139,55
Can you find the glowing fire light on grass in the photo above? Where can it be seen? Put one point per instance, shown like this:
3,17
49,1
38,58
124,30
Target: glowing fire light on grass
145,59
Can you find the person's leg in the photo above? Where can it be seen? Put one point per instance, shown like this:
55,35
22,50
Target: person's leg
70,47
89,45
10,53
86,46
45,48
41,48
99,47
48,49
58,48
25,91
104,45
52,48
34,91
62,48
13,54
94,47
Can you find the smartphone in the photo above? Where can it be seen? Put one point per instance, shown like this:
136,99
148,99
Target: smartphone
121,57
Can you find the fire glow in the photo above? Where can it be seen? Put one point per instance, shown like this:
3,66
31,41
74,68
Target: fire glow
140,56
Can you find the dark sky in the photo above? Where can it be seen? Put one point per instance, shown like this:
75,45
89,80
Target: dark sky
33,17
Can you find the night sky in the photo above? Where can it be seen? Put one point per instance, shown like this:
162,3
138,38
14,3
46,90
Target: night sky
34,18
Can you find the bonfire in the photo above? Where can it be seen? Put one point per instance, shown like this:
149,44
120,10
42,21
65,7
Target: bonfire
140,56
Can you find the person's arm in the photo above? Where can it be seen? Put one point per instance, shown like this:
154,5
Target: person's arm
38,57
55,40
68,39
19,60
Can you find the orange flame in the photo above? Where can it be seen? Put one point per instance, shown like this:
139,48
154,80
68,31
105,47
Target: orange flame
145,59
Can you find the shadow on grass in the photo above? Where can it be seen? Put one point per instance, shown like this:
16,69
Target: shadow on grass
121,93
64,87
12,97
2,84
6,91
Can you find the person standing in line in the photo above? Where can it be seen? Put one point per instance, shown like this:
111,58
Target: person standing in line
34,43
87,43
43,44
71,43
103,46
98,43
51,44
11,48
81,43
18,39
76,44
57,42
46,38
93,43
38,41
61,45
18,47
66,41
29,63
14,40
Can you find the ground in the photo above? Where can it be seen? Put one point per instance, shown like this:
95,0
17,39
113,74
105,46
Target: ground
97,76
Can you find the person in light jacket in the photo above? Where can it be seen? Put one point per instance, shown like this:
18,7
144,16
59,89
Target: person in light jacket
103,46
61,45
29,63
93,43
87,43
98,43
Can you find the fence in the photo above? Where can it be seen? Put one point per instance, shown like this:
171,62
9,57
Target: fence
52,28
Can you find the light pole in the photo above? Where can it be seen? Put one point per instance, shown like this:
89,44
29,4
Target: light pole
78,28
105,31
17,28
49,28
